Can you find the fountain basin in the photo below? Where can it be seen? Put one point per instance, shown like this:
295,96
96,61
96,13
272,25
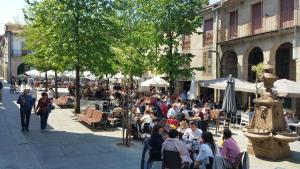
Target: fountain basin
284,138
257,137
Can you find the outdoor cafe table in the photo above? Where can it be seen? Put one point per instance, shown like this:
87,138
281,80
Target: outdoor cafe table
296,126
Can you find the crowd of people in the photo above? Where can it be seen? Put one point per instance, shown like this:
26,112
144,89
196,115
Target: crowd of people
173,128
196,157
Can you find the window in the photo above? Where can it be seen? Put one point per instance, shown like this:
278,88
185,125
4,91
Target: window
186,44
208,32
286,13
257,18
233,24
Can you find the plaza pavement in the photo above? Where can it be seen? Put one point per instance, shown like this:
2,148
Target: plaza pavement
70,145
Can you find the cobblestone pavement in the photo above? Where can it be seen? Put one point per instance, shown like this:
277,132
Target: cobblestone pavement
70,145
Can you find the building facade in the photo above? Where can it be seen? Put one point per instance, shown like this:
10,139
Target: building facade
237,34
12,47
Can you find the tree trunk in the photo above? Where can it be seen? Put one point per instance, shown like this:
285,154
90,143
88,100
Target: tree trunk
46,78
56,90
127,118
77,90
77,81
131,103
123,121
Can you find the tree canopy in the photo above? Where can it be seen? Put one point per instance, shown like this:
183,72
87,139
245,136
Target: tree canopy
73,33
173,20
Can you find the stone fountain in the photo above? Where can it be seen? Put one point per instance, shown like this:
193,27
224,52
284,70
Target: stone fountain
267,131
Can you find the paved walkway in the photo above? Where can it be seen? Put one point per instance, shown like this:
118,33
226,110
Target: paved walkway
70,145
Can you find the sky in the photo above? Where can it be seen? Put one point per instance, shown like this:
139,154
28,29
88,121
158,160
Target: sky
11,11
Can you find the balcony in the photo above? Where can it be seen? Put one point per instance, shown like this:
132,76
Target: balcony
269,24
18,53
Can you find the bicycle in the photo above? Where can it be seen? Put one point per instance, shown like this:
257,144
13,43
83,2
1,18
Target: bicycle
14,89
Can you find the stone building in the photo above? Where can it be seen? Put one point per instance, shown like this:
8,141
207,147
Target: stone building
237,34
12,48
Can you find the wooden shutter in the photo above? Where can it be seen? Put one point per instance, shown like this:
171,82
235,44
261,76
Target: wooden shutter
233,24
186,44
208,32
286,13
257,18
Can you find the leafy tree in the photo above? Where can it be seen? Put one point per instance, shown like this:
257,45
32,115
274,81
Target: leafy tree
79,31
259,72
133,47
172,20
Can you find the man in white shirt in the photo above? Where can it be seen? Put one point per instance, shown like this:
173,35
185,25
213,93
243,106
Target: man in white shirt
172,112
193,133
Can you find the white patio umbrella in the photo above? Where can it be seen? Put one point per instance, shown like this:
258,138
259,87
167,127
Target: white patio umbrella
50,73
287,88
69,74
33,73
192,92
89,75
118,76
240,85
155,82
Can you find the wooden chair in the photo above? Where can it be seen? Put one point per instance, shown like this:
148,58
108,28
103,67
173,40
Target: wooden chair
92,121
116,117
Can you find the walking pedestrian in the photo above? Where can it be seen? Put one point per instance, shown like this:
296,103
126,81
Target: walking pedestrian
1,87
26,102
43,110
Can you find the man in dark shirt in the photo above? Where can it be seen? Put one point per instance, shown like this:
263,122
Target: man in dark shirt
26,103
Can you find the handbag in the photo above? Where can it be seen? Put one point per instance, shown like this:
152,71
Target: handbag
50,108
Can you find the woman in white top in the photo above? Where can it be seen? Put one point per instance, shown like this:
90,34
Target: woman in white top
51,94
146,118
193,133
172,143
208,149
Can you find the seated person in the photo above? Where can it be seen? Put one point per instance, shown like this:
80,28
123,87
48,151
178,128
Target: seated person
183,126
166,127
145,119
155,142
184,111
172,143
207,149
205,111
172,111
192,133
230,149
290,118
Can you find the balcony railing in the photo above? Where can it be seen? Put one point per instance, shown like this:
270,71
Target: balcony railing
269,24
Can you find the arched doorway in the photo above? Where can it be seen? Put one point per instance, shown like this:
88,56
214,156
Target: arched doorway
22,68
285,66
256,56
229,64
